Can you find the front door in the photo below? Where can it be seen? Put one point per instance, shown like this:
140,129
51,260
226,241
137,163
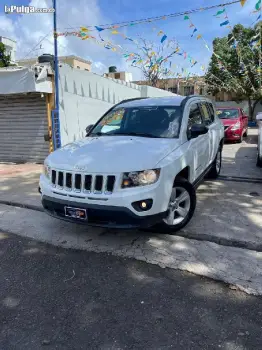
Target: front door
200,145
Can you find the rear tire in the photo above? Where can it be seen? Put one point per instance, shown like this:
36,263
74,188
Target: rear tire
259,161
216,166
181,207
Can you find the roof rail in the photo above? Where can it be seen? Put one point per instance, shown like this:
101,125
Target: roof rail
131,99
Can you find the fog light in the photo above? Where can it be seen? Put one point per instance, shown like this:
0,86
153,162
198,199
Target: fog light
143,205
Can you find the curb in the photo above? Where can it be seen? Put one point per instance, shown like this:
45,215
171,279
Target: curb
226,242
21,205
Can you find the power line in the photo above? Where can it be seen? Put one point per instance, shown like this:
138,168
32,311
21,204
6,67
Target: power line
38,43
157,18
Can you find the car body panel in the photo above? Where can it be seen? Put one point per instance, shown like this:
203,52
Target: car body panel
242,119
115,155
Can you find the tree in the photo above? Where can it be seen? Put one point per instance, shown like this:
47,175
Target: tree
154,61
235,65
4,57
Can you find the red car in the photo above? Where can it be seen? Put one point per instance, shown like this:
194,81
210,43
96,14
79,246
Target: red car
235,123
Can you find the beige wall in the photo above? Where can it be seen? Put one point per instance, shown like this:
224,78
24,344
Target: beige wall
72,61
124,76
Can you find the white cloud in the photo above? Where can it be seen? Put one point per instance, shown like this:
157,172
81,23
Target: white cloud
33,32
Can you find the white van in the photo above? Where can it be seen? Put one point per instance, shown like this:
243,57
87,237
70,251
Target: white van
138,166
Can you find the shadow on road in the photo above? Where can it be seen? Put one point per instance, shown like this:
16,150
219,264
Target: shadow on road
57,299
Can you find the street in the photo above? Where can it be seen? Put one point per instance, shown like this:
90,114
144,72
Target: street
106,289
52,298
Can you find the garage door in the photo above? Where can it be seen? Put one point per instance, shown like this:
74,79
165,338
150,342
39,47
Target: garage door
23,124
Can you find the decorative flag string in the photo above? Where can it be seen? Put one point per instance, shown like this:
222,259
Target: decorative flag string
236,46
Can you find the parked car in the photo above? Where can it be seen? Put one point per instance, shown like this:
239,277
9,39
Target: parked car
235,122
259,143
142,171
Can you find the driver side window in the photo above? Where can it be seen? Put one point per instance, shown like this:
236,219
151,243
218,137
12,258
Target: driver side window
194,116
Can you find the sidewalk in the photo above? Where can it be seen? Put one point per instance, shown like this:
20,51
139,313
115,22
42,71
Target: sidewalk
19,184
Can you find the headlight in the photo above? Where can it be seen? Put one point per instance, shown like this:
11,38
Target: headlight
140,178
47,171
236,126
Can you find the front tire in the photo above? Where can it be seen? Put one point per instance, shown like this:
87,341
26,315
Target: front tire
259,160
181,207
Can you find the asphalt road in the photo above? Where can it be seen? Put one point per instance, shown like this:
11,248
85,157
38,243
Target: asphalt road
52,298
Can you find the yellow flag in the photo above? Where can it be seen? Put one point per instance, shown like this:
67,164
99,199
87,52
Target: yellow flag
85,37
242,2
199,36
161,32
113,49
84,29
114,32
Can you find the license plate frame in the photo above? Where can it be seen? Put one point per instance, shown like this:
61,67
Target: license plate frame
76,213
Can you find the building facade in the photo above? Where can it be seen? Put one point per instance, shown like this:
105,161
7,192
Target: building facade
10,46
124,76
72,61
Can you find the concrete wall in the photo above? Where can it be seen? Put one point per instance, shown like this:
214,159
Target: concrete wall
85,97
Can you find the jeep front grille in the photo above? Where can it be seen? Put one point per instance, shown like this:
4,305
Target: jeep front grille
85,183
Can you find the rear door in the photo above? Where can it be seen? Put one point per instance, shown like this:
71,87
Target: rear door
199,145
208,115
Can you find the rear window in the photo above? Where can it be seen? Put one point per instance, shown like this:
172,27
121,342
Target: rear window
228,113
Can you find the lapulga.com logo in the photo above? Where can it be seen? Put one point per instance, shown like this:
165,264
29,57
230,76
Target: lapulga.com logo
27,9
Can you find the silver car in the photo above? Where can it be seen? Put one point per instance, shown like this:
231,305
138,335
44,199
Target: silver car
259,144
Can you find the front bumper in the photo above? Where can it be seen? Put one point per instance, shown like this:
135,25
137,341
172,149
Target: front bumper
101,215
231,135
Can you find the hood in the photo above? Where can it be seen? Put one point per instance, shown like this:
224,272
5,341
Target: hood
112,154
229,122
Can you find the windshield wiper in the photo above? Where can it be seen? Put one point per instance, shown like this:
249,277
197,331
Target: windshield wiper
141,134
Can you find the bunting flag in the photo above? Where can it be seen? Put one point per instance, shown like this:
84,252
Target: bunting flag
199,36
164,37
220,12
84,29
160,33
99,28
258,4
186,17
191,25
195,30
224,23
115,32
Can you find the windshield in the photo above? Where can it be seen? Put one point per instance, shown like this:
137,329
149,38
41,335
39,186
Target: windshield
228,113
162,122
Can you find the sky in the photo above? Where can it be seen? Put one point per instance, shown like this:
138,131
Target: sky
33,32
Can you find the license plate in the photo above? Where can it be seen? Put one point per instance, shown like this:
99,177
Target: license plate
76,213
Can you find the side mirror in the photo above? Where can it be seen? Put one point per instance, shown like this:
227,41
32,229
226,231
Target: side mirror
259,117
197,130
88,128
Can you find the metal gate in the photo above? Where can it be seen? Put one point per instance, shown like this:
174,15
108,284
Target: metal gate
23,124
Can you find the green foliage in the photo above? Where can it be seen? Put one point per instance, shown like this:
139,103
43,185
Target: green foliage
235,64
4,58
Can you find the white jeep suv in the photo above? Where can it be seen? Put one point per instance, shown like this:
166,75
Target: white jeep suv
138,166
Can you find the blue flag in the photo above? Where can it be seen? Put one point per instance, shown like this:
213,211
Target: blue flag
224,23
163,38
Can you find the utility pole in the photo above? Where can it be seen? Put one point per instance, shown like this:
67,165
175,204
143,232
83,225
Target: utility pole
55,116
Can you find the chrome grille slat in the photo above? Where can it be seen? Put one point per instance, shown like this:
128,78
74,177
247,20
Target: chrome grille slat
86,183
